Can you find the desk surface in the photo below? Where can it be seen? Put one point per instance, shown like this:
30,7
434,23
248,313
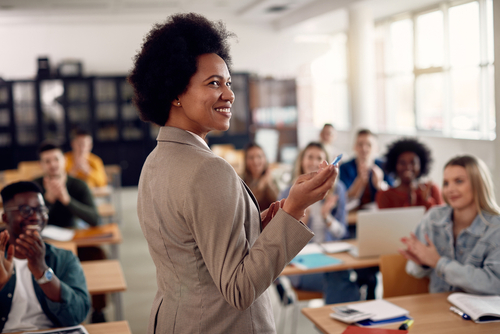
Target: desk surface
430,312
104,276
107,234
115,327
348,262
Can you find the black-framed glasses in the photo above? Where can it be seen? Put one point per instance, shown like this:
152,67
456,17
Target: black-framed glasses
27,211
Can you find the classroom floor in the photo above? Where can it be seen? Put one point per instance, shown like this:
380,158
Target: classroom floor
140,273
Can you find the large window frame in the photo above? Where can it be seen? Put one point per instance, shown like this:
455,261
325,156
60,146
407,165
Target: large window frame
387,75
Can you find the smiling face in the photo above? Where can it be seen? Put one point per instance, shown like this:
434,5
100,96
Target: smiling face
16,223
408,167
206,103
312,158
457,188
256,161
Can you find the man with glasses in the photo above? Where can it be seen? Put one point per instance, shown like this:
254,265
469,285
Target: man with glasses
41,286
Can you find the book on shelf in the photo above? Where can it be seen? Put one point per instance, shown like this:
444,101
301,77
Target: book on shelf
481,309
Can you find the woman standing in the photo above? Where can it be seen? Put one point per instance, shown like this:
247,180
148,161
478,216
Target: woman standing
213,257
258,176
409,160
327,219
458,245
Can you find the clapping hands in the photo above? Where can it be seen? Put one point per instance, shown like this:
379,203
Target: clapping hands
6,262
420,253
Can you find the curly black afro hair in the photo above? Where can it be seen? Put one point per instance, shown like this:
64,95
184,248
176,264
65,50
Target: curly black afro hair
395,149
168,60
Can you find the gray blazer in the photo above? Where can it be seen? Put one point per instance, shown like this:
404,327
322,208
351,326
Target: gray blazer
202,224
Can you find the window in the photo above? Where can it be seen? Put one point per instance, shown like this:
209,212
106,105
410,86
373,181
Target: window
435,71
330,94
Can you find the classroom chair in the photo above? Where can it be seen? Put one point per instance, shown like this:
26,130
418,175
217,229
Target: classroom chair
396,282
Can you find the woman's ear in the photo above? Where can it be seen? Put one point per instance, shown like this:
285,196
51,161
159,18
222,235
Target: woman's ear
176,103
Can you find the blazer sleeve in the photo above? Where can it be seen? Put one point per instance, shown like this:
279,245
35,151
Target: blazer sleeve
216,213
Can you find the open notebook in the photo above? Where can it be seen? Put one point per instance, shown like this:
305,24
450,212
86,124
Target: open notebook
479,308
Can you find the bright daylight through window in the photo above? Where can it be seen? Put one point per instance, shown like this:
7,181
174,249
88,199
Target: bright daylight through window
435,72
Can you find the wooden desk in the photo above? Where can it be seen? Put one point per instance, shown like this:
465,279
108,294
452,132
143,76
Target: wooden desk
348,262
106,276
430,312
115,327
105,191
107,234
106,211
352,218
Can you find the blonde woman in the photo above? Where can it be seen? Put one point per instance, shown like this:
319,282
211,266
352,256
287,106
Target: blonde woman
458,245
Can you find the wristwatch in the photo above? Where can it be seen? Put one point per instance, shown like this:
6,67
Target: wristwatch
46,277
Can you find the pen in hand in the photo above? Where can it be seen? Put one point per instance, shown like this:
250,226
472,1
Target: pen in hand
337,159
460,313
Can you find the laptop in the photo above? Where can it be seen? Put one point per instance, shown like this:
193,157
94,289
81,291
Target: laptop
379,232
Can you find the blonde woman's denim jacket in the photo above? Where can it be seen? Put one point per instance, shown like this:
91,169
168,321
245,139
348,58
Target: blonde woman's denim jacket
471,264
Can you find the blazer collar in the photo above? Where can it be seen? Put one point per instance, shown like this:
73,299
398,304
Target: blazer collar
176,135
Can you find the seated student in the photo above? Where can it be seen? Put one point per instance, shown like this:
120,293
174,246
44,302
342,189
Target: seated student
41,286
327,137
70,204
327,219
69,199
458,245
409,160
82,164
258,177
363,175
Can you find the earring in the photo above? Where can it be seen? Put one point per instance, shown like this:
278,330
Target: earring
178,103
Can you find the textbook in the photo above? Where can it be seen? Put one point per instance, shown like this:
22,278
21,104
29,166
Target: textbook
481,309
314,260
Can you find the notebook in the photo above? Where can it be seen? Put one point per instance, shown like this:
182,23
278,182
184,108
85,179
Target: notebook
379,232
480,308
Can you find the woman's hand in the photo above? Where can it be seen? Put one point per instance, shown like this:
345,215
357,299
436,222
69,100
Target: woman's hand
420,253
6,263
310,188
269,213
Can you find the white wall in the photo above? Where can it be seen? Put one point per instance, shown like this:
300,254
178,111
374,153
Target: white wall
106,45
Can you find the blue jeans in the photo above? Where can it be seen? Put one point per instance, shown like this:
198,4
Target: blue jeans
336,286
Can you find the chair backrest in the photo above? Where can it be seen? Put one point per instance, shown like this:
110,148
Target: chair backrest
396,281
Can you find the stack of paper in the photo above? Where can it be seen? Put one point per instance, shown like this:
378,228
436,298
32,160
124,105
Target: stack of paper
381,313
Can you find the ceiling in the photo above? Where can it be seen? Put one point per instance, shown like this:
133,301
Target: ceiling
315,16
